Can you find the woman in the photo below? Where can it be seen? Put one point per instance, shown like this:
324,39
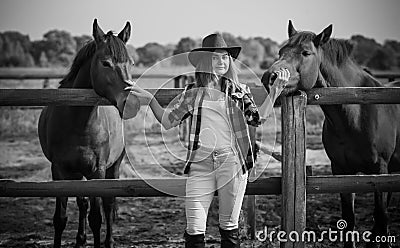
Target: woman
219,152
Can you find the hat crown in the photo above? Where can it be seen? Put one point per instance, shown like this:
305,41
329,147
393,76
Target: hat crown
214,40
211,43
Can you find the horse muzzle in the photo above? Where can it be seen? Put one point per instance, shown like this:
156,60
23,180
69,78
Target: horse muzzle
128,106
268,79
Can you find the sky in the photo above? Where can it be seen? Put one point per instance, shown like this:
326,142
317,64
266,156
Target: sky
166,21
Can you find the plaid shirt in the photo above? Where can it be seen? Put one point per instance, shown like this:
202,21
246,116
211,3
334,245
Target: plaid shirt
242,111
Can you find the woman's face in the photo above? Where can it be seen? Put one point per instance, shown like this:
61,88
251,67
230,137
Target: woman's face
220,62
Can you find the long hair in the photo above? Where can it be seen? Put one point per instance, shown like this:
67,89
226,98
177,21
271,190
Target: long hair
204,74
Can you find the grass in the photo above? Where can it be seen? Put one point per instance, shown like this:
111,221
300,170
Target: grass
22,122
18,122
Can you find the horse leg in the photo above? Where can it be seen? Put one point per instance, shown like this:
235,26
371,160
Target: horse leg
83,204
60,219
347,204
381,199
109,206
95,219
347,201
380,219
60,215
109,203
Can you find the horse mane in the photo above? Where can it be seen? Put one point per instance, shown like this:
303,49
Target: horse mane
116,48
85,53
336,51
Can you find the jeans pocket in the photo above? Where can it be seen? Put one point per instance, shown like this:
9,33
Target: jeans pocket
238,168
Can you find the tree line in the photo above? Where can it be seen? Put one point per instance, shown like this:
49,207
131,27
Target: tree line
57,48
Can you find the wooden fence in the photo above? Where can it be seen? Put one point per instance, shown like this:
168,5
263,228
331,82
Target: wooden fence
50,74
293,185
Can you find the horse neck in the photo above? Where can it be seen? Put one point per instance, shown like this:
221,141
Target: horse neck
83,79
347,75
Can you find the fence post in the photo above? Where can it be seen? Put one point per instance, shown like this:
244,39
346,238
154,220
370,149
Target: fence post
293,169
251,216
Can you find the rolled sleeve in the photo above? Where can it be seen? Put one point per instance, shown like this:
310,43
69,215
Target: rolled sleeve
184,107
250,109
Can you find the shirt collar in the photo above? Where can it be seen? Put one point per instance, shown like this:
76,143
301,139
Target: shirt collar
231,87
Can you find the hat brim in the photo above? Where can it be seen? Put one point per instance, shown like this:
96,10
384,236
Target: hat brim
195,55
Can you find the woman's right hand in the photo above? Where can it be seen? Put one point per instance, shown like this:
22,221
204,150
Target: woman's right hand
280,82
144,96
282,78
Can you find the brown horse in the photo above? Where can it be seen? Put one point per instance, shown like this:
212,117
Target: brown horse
357,138
87,141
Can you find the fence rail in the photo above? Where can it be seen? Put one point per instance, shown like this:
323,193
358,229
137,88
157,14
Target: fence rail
36,75
85,97
176,187
26,74
353,95
71,97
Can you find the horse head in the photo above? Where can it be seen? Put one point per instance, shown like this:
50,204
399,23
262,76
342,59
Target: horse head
302,56
111,68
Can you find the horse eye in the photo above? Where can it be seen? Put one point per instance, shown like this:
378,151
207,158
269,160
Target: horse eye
306,53
106,63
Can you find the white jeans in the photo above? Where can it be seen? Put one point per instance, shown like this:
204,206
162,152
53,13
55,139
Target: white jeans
214,170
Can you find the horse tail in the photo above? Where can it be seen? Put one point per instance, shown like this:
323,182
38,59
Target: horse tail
42,131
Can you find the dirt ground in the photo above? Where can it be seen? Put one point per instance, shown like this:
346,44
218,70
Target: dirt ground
158,221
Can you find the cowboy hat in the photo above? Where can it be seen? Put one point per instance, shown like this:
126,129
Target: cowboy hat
211,43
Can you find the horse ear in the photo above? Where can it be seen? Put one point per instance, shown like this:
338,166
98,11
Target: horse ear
323,37
98,33
125,33
291,30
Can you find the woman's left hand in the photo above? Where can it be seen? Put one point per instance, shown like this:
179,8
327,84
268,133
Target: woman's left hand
277,87
281,80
